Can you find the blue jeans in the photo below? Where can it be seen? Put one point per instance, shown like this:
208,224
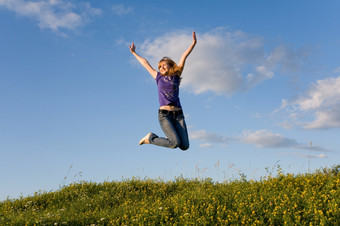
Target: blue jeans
174,128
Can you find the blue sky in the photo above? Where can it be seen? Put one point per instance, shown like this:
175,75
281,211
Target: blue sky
260,89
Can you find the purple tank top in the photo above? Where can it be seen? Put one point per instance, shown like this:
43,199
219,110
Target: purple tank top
168,90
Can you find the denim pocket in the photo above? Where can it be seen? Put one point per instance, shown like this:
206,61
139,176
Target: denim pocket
180,117
162,115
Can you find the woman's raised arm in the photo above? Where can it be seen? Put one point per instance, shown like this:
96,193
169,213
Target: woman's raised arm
188,51
143,61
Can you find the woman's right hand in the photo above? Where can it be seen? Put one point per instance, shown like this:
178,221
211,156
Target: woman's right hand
132,48
143,61
194,37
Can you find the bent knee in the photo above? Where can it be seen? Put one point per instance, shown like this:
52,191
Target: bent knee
184,147
175,145
178,144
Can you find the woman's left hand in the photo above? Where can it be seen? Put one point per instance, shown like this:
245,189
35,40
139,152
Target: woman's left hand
132,48
194,37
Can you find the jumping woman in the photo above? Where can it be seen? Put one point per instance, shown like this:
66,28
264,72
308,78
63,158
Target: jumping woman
170,114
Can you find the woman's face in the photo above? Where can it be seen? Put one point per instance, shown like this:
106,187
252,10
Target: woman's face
164,67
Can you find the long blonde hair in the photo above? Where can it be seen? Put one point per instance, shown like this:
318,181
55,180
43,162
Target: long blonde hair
174,68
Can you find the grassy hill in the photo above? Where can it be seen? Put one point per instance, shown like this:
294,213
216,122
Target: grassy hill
285,199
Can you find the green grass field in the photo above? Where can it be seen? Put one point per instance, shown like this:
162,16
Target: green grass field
306,199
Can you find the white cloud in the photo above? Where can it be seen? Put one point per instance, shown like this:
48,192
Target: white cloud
205,136
206,145
121,9
320,156
320,104
323,93
304,155
325,119
311,148
222,62
267,139
289,60
208,138
260,138
52,14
